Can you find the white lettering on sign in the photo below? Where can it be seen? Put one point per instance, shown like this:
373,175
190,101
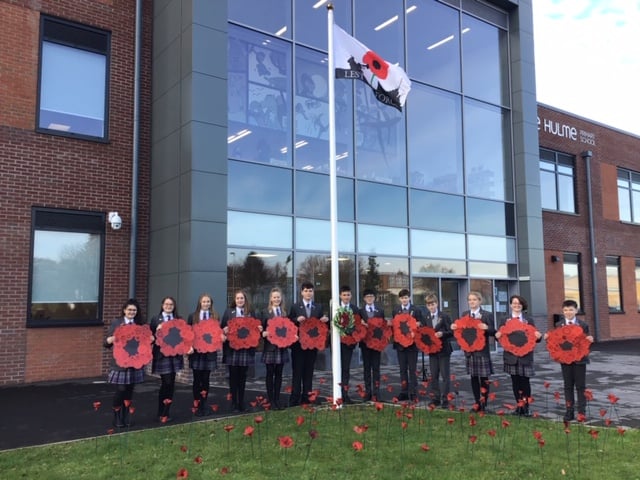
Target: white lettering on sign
588,137
566,131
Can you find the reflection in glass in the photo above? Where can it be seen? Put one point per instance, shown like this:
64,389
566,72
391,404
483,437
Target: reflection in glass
257,187
66,276
439,267
381,28
486,142
435,140
257,272
383,204
374,240
316,268
255,230
386,275
311,21
312,196
433,45
496,249
273,16
437,244
436,211
259,93
489,270
316,235
485,216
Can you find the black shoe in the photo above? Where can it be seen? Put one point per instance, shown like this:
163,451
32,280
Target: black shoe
434,404
367,397
403,397
347,400
568,416
165,419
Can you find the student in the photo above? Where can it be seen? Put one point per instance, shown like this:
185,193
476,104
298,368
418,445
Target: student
124,378
574,375
346,351
439,363
238,360
519,367
371,357
202,362
273,356
479,364
166,367
303,361
407,356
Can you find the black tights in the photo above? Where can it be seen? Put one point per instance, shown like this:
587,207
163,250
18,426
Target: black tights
274,382
477,385
123,392
201,384
521,387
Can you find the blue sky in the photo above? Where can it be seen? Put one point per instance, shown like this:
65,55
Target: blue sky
588,59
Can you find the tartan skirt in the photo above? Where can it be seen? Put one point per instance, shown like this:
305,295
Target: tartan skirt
126,376
163,365
278,356
243,357
519,369
479,366
203,361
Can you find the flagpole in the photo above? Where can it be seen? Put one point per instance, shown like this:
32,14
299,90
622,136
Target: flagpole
336,366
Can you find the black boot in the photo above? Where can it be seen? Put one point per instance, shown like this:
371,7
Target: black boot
118,420
569,415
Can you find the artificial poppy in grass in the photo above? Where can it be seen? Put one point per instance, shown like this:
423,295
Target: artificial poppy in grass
358,333
404,329
469,335
244,332
517,337
207,336
282,332
175,337
357,446
132,345
378,334
286,441
313,334
182,473
427,340
567,344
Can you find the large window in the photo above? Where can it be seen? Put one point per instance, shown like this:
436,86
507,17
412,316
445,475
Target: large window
557,172
74,72
572,277
614,293
629,195
66,268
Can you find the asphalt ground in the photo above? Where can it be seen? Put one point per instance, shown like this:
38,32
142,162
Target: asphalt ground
52,412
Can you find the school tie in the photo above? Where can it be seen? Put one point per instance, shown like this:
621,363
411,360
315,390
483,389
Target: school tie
241,312
307,307
278,312
473,315
206,315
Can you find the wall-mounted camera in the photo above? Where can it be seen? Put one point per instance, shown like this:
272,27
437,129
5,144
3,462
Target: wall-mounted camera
115,220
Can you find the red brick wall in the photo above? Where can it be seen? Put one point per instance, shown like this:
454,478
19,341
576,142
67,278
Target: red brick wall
58,172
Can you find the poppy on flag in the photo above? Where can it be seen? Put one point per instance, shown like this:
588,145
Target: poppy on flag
354,61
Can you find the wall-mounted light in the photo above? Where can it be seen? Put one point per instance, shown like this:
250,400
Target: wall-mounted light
555,258
115,220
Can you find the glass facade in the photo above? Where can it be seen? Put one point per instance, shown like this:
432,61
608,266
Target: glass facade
425,196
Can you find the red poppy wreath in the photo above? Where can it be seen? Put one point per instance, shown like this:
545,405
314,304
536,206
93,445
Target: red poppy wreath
313,334
282,332
207,336
358,333
132,345
567,344
175,337
244,332
378,334
427,341
404,328
469,335
517,337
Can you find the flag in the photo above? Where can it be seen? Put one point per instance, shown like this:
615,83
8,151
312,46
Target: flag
353,60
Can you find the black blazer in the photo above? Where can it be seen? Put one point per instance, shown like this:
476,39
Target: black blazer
510,358
585,328
416,313
487,318
441,323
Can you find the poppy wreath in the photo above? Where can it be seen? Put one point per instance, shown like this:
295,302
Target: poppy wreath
207,336
175,337
567,344
517,337
244,332
357,334
427,341
282,332
469,335
378,334
404,328
132,345
313,334
344,320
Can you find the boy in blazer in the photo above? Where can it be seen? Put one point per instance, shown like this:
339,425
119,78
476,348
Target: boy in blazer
371,357
407,356
439,363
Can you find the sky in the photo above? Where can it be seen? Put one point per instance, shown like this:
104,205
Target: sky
587,55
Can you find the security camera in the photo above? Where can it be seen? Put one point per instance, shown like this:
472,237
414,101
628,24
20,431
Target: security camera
115,220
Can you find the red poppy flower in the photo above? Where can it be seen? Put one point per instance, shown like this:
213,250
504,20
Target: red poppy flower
182,473
357,446
376,64
207,336
469,335
427,341
132,345
313,434
228,428
282,332
183,448
258,419
299,420
313,334
286,441
613,398
378,334
567,344
404,328
425,447
244,332
359,332
517,337
198,459
175,337
96,405
248,431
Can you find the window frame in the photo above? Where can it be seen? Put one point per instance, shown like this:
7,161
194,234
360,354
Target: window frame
569,258
628,177
614,261
557,162
69,221
86,39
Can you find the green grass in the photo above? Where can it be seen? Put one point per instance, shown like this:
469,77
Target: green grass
431,446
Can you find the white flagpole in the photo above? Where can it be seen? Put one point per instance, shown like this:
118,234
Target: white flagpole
336,367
